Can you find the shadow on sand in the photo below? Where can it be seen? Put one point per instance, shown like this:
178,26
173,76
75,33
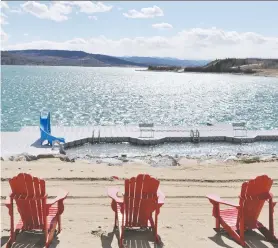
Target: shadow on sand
30,239
252,238
38,144
132,239
4,240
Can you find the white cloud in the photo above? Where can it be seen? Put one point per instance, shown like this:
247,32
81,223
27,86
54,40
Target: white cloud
17,11
3,17
150,12
91,7
92,18
196,43
59,10
162,25
3,20
56,11
120,8
4,5
4,36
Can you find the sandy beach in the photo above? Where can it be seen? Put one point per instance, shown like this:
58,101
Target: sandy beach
185,219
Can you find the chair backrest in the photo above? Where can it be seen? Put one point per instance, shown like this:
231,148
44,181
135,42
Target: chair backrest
140,200
252,198
146,125
29,195
239,124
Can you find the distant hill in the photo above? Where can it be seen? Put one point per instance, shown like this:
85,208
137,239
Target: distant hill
79,58
233,65
156,61
62,58
264,67
247,63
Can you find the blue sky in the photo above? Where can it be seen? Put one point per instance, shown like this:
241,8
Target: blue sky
176,29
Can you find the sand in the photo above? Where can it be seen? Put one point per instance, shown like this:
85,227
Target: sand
185,219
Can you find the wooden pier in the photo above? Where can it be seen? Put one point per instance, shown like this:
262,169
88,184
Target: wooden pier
27,139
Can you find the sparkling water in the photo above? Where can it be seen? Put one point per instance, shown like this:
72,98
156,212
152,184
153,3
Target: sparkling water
79,96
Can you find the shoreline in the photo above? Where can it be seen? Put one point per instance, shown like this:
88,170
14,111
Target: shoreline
259,73
194,169
153,161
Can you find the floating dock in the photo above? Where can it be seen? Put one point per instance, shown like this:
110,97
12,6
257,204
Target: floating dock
27,139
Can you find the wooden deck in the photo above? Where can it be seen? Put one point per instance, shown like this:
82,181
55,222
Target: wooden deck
27,139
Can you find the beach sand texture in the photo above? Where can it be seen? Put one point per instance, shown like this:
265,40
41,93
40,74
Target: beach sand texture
185,219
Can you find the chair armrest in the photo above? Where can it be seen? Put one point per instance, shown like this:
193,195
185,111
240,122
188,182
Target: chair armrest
161,196
112,193
10,208
8,204
217,199
60,197
8,201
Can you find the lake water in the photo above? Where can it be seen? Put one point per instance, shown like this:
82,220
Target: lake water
78,96
201,150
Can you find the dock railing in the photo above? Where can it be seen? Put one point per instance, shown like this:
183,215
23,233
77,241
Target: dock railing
195,136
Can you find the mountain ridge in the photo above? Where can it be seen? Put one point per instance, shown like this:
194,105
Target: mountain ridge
51,57
165,61
61,58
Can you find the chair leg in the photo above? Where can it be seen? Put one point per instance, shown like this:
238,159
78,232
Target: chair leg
271,213
121,237
46,236
11,212
241,234
51,234
155,228
59,224
269,233
217,223
12,237
156,235
9,243
115,222
152,222
232,233
216,211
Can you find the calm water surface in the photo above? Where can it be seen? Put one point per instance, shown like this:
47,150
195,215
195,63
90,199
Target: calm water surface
79,96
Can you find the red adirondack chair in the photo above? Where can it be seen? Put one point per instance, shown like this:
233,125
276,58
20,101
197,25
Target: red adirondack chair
244,216
36,211
135,208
